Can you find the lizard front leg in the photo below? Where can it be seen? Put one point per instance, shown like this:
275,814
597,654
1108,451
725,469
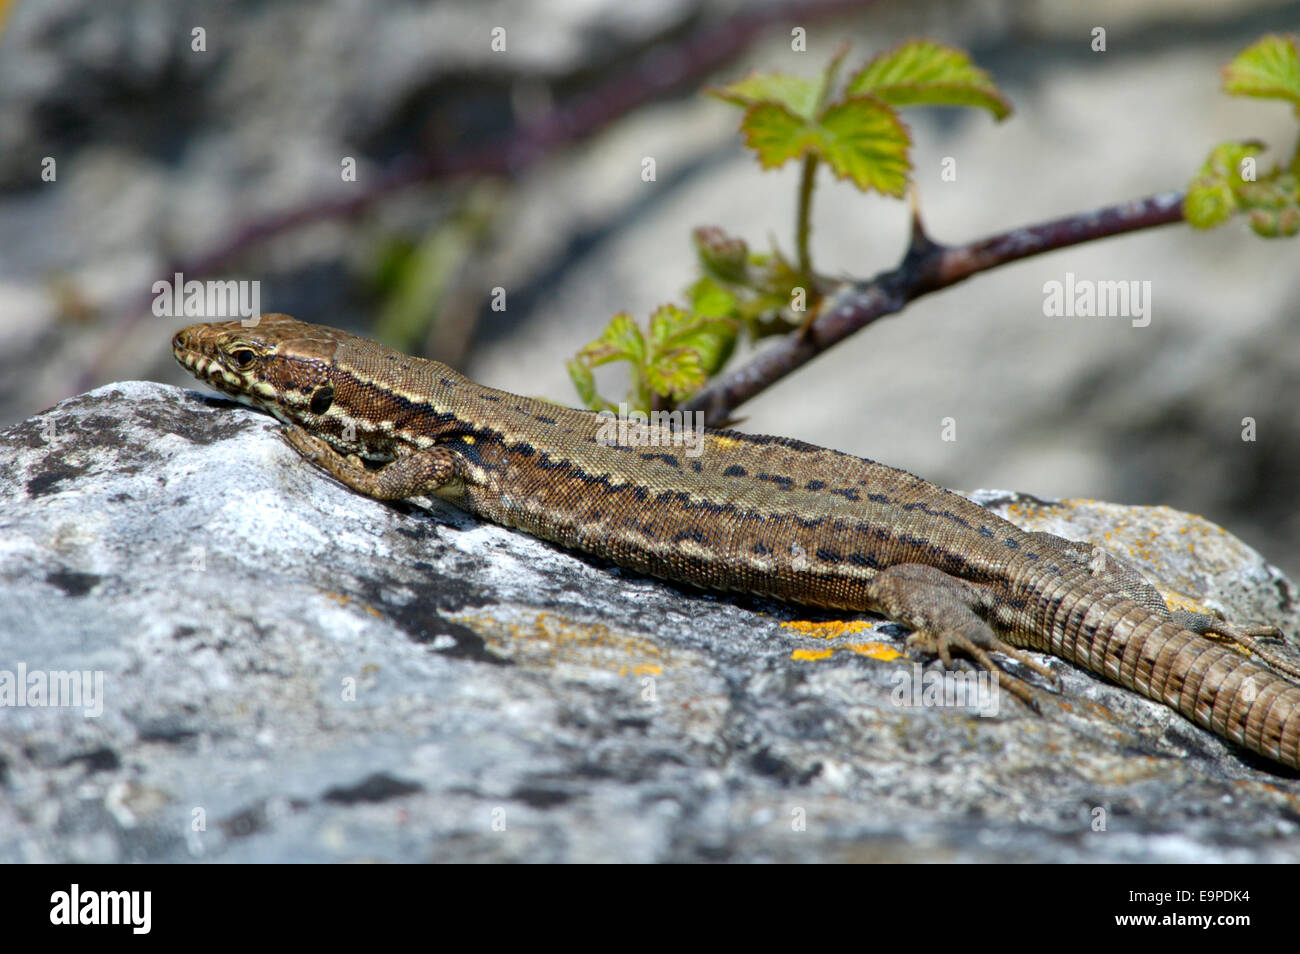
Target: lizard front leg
946,614
413,475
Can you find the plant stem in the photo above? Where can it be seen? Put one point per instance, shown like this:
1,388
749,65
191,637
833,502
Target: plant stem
803,222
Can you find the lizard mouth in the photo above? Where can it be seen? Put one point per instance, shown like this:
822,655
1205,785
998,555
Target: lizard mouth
189,353
195,351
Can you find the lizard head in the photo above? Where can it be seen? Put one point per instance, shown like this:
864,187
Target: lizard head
351,392
275,362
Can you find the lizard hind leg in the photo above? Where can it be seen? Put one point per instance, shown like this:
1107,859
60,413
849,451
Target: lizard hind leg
946,616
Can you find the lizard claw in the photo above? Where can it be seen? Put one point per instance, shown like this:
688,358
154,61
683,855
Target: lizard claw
977,646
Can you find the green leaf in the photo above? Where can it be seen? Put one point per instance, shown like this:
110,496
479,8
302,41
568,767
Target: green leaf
713,339
776,134
620,341
678,373
797,95
1275,223
921,72
1215,194
859,138
674,332
665,322
863,140
585,384
1209,202
1269,68
711,300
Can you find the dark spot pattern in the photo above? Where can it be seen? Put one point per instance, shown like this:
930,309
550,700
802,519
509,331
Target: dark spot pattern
668,459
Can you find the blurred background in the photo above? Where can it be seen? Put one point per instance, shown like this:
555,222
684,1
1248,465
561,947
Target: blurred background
521,169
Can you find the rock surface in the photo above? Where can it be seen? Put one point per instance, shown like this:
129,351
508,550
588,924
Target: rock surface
163,152
292,672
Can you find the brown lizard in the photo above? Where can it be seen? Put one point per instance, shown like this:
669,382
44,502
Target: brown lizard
764,515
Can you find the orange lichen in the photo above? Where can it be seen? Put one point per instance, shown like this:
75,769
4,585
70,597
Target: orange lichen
881,651
830,629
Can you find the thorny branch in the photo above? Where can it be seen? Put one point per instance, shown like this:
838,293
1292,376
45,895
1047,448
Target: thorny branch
927,267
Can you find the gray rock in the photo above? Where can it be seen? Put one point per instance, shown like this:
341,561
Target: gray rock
292,672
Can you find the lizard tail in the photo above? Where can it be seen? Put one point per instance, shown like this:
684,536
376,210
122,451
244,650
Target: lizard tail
1216,686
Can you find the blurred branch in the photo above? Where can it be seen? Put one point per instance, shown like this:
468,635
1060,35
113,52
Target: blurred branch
657,73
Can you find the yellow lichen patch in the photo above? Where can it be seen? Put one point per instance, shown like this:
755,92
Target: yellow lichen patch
879,651
344,600
835,629
1181,601
643,670
830,629
548,640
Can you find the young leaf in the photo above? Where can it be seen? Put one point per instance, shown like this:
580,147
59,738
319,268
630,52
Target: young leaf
1213,195
1269,68
722,256
665,322
1209,202
713,340
776,134
620,341
677,373
859,138
921,72
585,384
863,140
796,94
711,300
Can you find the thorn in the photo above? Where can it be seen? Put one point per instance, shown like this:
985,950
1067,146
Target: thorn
920,241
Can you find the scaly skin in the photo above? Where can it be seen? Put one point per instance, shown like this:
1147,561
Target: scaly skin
764,515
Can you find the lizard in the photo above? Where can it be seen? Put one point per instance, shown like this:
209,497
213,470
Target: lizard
768,516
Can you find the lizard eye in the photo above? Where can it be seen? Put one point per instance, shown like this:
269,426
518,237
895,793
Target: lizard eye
242,359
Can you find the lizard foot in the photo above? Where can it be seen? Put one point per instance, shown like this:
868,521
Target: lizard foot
410,476
977,646
945,614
